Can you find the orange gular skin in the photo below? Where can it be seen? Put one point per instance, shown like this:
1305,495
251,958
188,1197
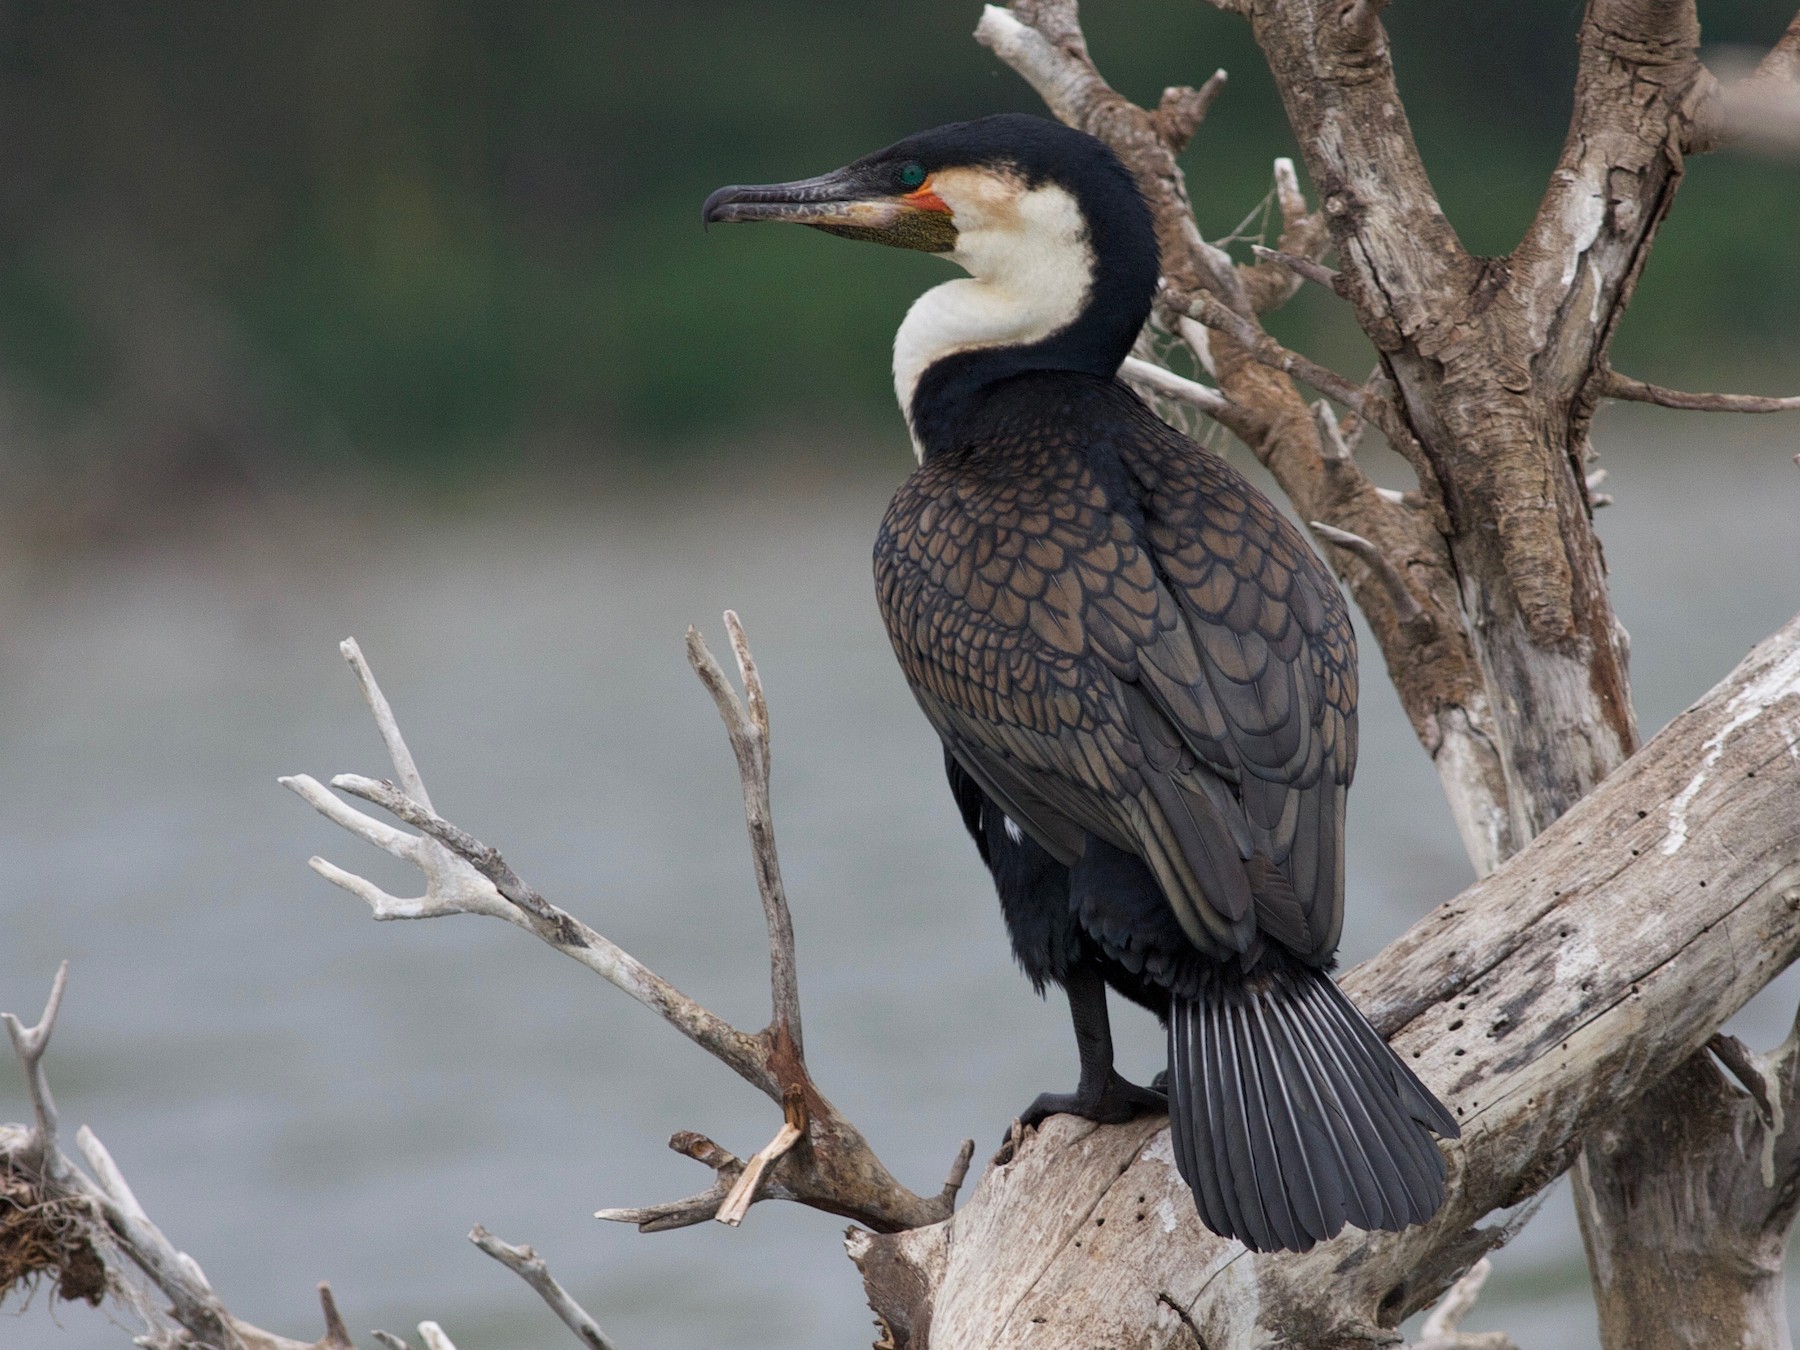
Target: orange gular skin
922,198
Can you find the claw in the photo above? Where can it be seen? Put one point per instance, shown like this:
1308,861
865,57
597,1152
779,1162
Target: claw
1118,1101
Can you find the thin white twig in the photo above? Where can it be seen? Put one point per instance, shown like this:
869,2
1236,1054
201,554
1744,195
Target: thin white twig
404,767
1338,449
530,1267
748,731
1407,610
1440,1331
1208,400
433,1336
391,1341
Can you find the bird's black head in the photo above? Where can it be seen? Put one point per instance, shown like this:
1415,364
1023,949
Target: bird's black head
1047,221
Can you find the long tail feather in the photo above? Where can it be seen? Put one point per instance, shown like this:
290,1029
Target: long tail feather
1292,1117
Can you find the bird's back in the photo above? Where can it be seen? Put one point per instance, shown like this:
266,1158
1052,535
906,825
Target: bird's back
1118,635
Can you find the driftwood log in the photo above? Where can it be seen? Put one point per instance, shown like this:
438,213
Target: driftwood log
1566,1006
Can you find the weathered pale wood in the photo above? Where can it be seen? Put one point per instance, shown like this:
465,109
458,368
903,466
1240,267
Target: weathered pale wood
1537,1003
1687,1222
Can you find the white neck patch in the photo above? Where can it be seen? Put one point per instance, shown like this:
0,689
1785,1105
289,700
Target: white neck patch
1030,267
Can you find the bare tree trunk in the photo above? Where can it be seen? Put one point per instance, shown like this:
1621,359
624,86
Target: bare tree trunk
1687,1203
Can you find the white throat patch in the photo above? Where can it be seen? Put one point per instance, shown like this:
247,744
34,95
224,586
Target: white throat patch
1030,267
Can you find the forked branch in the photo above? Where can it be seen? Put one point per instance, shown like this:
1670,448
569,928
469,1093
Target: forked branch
817,1157
30,1043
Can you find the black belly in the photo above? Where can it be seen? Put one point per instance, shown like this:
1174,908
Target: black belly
1107,914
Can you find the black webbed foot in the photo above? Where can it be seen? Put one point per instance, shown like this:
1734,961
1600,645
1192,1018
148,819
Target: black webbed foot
1115,1103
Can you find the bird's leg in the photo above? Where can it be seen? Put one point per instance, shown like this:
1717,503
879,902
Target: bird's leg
1103,1095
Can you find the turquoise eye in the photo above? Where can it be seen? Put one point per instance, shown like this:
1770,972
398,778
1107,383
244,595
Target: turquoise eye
912,174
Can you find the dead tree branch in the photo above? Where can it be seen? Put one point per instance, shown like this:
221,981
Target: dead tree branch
1615,385
817,1157
530,1267
1704,1177
1168,384
1411,613
1442,1328
1305,268
29,1044
749,733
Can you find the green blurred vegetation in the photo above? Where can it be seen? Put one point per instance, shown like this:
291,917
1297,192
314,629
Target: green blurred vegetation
461,230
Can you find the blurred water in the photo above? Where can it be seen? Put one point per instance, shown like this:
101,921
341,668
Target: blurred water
297,1094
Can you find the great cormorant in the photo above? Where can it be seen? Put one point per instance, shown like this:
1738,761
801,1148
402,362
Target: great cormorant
1143,677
